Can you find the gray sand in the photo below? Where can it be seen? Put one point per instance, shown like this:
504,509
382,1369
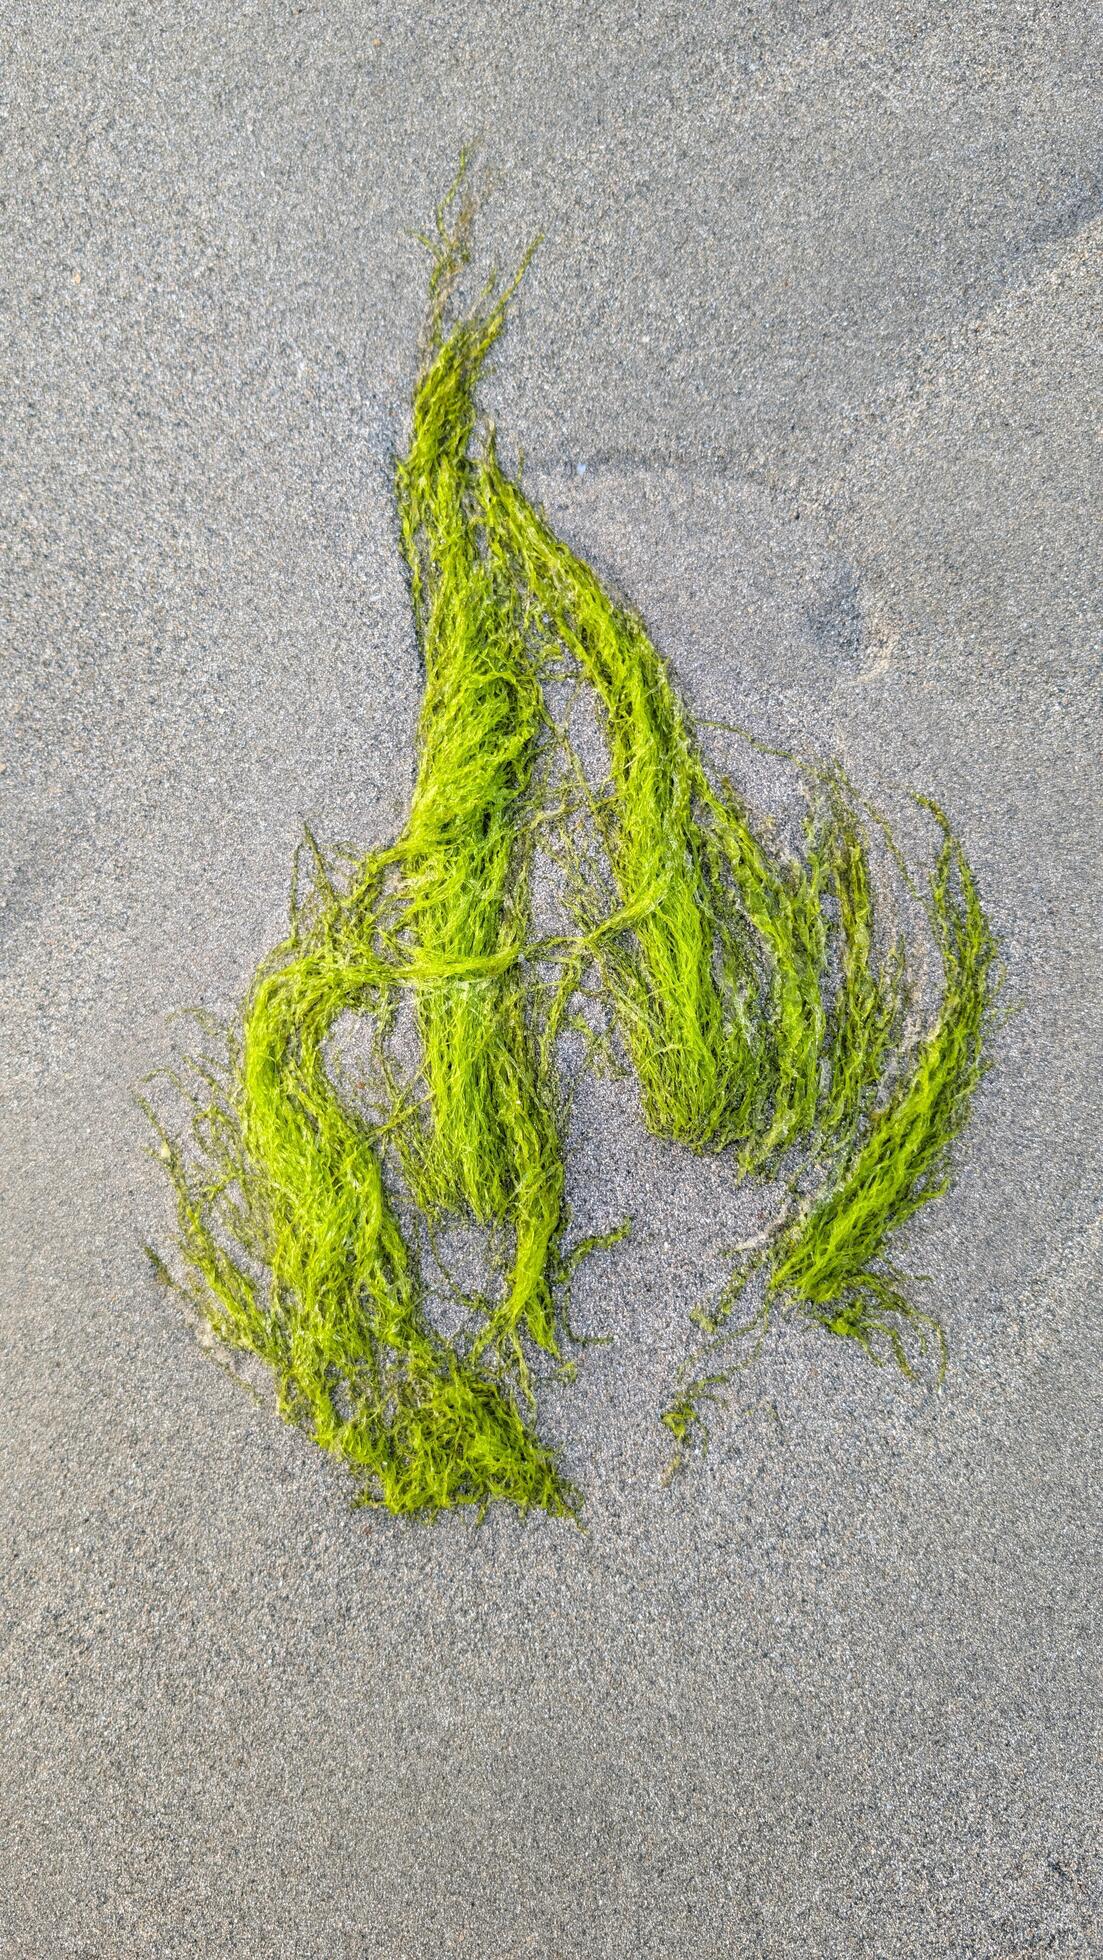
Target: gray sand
810,365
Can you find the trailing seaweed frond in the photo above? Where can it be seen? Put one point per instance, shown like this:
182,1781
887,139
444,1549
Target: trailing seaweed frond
670,956
870,996
490,1144
293,1253
287,1175
831,1261
827,1263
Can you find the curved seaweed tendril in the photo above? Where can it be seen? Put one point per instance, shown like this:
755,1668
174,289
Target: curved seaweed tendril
827,1262
293,1252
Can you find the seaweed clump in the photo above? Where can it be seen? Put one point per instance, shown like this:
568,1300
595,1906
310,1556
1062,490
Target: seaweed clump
743,983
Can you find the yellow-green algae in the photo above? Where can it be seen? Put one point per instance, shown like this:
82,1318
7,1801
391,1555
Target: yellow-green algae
743,982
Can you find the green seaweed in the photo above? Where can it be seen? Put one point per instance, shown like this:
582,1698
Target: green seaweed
830,1261
745,985
668,957
490,1143
827,1262
294,1254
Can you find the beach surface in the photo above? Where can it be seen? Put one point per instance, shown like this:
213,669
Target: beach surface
809,366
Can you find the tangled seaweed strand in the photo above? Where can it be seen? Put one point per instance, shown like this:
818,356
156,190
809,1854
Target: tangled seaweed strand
830,1261
827,1263
744,984
491,1144
286,1184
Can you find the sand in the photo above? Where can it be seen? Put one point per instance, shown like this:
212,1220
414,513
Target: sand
809,366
